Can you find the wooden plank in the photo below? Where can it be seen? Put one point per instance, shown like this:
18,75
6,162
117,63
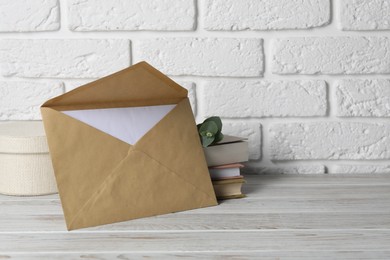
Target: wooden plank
280,181
21,198
302,205
239,254
288,217
245,205
264,191
320,192
270,240
179,221
267,191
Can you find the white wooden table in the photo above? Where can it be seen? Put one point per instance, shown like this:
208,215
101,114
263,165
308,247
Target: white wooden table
283,217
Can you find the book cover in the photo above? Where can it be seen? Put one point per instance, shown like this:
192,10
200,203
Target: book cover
229,150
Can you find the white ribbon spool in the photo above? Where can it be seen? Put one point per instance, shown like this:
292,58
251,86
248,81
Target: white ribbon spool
25,164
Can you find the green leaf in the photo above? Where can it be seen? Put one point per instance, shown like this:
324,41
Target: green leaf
218,137
208,128
206,141
210,131
216,120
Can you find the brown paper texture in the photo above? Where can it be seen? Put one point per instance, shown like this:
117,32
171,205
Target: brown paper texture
102,179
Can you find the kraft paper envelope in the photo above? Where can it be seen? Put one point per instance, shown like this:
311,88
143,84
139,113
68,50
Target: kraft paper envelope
124,147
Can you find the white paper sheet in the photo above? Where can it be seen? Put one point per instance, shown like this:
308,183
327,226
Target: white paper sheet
128,124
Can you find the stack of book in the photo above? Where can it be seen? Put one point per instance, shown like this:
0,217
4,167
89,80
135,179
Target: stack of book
223,159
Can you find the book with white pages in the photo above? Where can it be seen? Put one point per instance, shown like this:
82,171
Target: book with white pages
225,171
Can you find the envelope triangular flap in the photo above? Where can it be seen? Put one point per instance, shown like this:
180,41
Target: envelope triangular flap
138,85
147,189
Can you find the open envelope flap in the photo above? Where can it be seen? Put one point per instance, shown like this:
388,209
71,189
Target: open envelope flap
82,158
138,85
165,171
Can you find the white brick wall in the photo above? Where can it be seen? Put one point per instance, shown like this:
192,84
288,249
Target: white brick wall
330,141
65,58
98,15
20,100
29,15
241,98
307,81
364,98
365,14
226,57
265,15
332,55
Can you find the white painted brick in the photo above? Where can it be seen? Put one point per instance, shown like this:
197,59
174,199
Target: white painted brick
239,98
97,15
301,169
72,84
203,56
368,98
29,15
361,169
21,100
365,14
252,131
66,58
331,55
330,140
265,15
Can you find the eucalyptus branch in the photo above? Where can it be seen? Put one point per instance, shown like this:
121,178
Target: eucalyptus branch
210,131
